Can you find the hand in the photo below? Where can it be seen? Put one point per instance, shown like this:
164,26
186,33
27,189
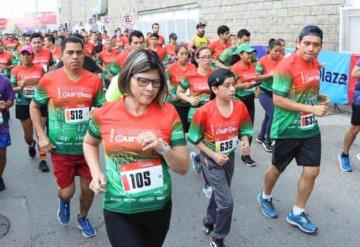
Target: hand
319,110
245,147
148,140
44,144
220,158
194,101
247,85
98,183
2,104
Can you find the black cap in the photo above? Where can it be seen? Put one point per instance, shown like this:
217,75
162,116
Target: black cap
311,30
172,36
217,78
200,24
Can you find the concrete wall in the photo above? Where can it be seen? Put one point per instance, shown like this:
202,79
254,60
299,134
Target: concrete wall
265,19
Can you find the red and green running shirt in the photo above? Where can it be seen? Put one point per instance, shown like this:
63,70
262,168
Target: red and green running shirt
299,81
175,74
69,105
108,60
244,74
44,58
137,181
5,60
264,66
219,133
29,77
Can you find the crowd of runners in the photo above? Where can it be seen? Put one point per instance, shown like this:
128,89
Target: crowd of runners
144,97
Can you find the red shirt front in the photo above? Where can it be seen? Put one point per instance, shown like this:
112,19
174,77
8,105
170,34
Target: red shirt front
161,40
160,51
5,58
170,50
108,57
44,58
217,48
121,58
89,49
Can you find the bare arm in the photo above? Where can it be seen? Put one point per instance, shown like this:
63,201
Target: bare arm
181,94
219,64
356,72
35,115
191,45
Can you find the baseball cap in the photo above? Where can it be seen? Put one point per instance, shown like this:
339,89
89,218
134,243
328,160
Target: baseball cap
244,48
27,48
311,30
172,36
200,24
218,76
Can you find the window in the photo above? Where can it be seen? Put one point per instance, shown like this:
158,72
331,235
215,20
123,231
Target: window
349,29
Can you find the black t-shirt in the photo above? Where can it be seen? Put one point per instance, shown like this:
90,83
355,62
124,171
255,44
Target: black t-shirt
89,65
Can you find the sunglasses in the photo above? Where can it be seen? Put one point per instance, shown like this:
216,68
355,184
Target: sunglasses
143,82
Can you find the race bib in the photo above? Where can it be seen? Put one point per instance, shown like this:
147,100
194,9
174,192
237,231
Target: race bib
29,91
77,115
141,176
45,67
227,146
307,120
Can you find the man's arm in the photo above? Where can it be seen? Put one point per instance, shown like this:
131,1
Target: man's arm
356,72
35,114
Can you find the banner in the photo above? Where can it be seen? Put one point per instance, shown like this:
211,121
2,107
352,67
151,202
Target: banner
334,76
352,80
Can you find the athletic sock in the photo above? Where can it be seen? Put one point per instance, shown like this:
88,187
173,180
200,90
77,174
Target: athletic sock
297,210
42,155
344,155
266,197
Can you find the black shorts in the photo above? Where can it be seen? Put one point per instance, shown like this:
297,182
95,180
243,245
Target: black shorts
355,116
307,152
22,112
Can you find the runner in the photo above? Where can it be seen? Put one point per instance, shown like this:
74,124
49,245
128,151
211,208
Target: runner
6,60
198,94
199,39
282,41
11,43
265,69
24,79
246,87
155,28
154,46
230,55
350,136
107,61
294,128
218,46
49,43
7,97
215,129
137,211
136,40
171,47
43,55
69,93
175,73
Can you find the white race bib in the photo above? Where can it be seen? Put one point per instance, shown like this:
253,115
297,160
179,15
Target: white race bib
29,91
141,176
227,146
77,115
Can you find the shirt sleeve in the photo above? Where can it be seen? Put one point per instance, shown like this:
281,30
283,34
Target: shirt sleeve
185,84
9,92
94,126
177,137
259,68
113,92
41,96
246,127
225,56
100,96
13,79
197,126
282,81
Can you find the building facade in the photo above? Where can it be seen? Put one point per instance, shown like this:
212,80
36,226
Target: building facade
265,19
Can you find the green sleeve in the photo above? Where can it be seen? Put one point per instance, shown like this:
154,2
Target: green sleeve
196,130
99,98
15,60
94,128
168,75
226,56
185,84
177,135
259,68
113,93
40,96
282,82
13,80
114,69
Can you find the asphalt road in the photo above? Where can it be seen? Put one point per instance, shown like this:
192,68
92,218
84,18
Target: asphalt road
30,201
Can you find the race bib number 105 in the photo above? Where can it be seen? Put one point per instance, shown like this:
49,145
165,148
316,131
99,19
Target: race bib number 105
141,176
76,115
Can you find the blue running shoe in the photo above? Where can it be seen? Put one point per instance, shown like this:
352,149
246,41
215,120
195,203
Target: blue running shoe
196,165
63,212
88,231
267,208
344,163
302,222
207,191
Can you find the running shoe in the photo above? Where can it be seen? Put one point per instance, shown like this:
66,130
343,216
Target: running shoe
63,212
214,242
267,145
2,184
88,231
358,156
32,150
196,165
267,207
207,228
43,166
207,191
260,139
302,222
247,160
344,163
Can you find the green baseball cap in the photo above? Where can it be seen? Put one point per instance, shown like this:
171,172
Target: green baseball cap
244,48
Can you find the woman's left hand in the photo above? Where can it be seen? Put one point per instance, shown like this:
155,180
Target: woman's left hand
149,140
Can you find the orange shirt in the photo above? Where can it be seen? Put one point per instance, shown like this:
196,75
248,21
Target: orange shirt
170,50
44,58
11,45
243,72
218,48
121,58
175,74
108,57
160,51
89,49
5,58
56,54
161,40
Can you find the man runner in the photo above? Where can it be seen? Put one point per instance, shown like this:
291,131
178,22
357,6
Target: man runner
69,93
295,128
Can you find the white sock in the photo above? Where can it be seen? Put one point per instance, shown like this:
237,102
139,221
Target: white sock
297,210
266,197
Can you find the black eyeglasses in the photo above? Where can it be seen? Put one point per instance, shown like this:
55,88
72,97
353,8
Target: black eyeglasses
143,82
